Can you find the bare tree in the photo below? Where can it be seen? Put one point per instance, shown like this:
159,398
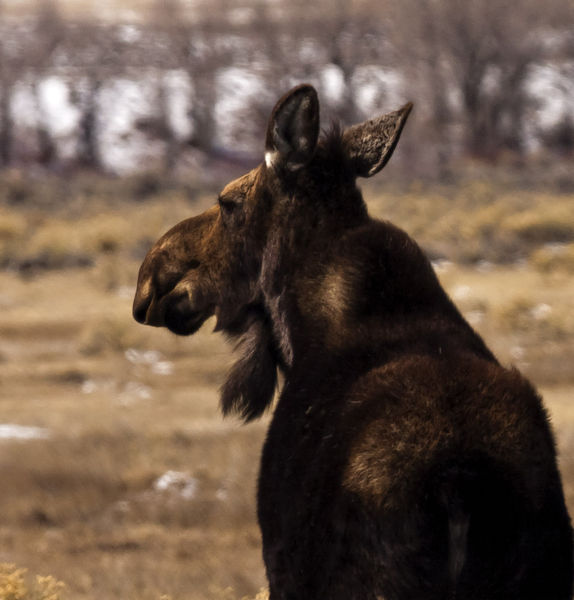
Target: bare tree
49,33
353,36
95,55
11,65
466,64
481,53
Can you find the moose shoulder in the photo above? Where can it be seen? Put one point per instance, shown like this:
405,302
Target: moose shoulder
402,461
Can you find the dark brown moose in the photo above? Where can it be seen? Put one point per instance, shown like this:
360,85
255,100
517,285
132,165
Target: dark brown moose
403,462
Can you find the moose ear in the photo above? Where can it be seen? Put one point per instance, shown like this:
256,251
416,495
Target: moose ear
293,129
369,145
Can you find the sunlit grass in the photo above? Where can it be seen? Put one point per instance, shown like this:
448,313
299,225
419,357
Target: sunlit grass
554,258
477,221
15,584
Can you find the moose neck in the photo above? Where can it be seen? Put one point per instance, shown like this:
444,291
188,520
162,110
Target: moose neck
366,292
296,259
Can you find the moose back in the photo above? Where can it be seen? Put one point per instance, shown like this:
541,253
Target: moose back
402,460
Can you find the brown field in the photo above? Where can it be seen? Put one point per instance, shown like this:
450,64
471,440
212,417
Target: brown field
139,489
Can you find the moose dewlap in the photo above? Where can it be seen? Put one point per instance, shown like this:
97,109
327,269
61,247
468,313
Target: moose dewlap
402,461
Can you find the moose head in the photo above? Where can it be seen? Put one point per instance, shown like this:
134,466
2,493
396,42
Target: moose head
259,260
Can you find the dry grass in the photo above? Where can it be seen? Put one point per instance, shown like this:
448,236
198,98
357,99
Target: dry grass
554,258
478,220
142,491
14,585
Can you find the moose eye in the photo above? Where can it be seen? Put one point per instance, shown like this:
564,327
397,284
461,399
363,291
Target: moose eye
227,206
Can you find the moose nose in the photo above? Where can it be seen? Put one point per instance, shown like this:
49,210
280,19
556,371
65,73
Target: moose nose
140,309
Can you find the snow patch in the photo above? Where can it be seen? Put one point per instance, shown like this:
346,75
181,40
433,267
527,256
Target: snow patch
9,431
442,265
541,311
151,359
461,292
177,481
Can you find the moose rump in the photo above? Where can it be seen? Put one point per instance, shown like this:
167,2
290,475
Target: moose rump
406,483
402,460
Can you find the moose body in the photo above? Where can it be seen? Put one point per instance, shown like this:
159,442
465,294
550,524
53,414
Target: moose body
402,460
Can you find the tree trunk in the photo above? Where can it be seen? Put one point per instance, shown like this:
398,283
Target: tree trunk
47,151
171,148
202,112
6,125
88,142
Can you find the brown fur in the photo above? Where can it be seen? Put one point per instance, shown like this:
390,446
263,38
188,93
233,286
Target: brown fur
402,460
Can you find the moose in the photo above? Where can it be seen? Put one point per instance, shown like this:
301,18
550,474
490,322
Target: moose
402,460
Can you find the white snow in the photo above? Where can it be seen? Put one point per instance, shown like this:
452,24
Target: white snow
177,481
9,431
461,292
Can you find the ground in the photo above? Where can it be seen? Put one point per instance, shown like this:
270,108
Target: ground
127,482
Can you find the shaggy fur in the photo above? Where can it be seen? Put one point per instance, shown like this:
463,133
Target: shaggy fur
402,460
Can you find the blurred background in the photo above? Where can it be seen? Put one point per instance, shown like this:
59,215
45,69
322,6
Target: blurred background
118,118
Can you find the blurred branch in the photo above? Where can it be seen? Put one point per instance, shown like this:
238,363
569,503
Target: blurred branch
468,65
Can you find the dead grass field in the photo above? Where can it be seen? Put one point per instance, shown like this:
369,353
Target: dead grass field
136,487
